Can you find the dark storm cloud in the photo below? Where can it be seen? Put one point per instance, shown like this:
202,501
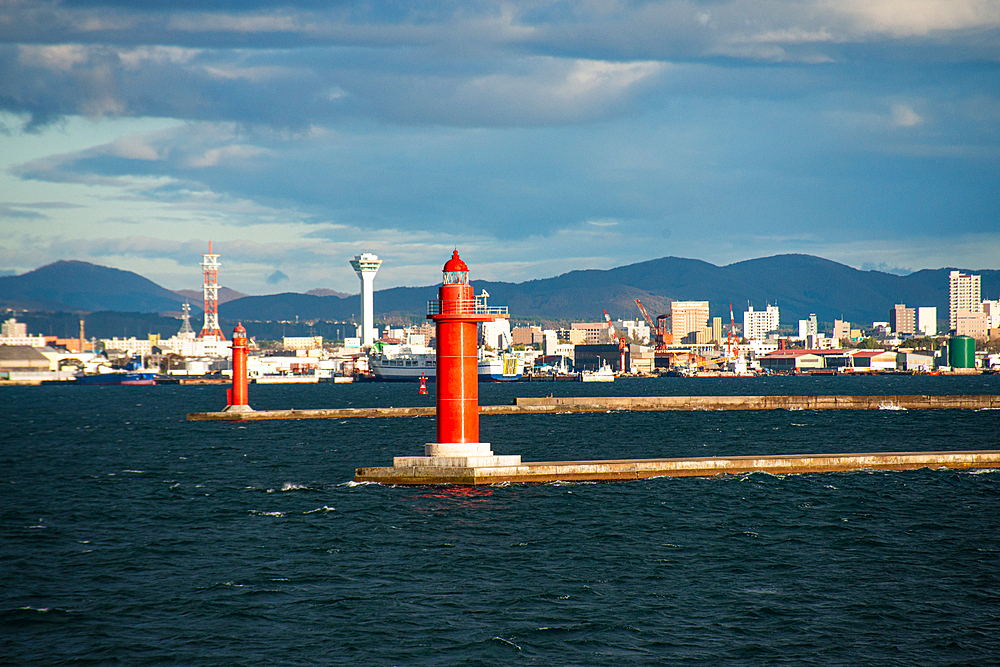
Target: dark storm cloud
484,64
759,124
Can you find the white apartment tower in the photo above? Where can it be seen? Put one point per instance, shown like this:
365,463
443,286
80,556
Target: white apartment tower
927,320
366,265
963,296
808,327
757,324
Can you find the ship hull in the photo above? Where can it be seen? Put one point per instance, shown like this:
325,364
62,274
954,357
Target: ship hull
490,370
117,379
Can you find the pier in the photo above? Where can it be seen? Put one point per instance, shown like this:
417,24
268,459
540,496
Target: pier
635,469
550,405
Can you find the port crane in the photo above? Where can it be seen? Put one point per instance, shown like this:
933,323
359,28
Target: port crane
657,330
622,342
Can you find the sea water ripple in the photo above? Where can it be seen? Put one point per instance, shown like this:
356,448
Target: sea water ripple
128,535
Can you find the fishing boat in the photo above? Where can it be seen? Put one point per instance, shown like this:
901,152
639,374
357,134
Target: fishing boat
602,374
133,373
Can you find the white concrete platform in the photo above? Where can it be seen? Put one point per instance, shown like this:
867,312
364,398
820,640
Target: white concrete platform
456,454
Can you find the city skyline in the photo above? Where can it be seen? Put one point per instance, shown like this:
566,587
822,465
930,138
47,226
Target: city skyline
537,138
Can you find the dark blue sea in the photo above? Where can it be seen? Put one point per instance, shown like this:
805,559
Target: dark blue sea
129,536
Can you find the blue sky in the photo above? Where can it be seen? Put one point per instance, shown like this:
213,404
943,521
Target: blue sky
537,137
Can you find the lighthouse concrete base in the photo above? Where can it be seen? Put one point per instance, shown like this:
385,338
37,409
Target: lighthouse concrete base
456,454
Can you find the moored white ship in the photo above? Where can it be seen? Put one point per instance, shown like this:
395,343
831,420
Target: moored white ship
407,363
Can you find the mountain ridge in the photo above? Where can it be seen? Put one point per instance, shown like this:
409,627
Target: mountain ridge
797,284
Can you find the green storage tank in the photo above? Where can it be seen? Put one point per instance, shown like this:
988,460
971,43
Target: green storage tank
962,352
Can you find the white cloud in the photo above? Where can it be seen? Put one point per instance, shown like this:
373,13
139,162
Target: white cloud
133,147
60,57
905,116
233,154
238,23
134,59
906,18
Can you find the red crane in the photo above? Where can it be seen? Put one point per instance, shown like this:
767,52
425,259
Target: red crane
734,342
656,330
622,343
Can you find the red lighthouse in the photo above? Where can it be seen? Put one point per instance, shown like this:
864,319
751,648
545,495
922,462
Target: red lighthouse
456,313
238,392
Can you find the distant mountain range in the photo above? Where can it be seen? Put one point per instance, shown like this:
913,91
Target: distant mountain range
798,284
197,296
81,286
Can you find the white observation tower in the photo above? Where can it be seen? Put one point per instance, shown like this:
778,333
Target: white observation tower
366,264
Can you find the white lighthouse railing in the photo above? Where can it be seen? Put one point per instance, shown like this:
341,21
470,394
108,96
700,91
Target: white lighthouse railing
474,306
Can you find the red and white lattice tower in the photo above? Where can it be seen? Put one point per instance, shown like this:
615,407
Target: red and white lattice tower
210,264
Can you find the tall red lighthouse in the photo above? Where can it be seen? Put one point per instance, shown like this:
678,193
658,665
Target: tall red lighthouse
237,394
456,312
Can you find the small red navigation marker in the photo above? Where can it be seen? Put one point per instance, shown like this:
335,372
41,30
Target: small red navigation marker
423,385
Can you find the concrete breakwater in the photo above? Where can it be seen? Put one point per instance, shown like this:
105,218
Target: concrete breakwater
882,402
633,469
551,405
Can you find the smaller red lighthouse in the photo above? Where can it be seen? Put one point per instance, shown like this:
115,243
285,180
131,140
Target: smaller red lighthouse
456,312
238,392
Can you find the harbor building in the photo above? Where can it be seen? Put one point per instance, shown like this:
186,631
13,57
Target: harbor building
841,330
596,333
530,335
973,325
808,327
634,330
571,336
687,317
927,320
757,324
992,311
302,342
13,332
963,296
903,320
496,335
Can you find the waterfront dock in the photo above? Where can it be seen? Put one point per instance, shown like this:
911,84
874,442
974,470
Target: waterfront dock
560,405
635,469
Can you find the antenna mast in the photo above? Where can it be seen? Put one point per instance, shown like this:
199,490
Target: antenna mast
210,264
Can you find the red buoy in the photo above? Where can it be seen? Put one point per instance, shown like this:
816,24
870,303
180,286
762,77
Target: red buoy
423,385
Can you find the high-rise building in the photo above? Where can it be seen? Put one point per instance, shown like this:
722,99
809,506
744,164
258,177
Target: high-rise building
975,325
808,327
687,317
841,330
366,265
992,311
903,320
14,329
595,333
758,323
927,320
963,296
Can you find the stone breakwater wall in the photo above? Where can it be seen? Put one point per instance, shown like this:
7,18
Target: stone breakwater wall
633,469
913,402
550,405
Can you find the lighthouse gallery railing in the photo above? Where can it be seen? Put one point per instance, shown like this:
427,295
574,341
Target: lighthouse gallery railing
474,306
